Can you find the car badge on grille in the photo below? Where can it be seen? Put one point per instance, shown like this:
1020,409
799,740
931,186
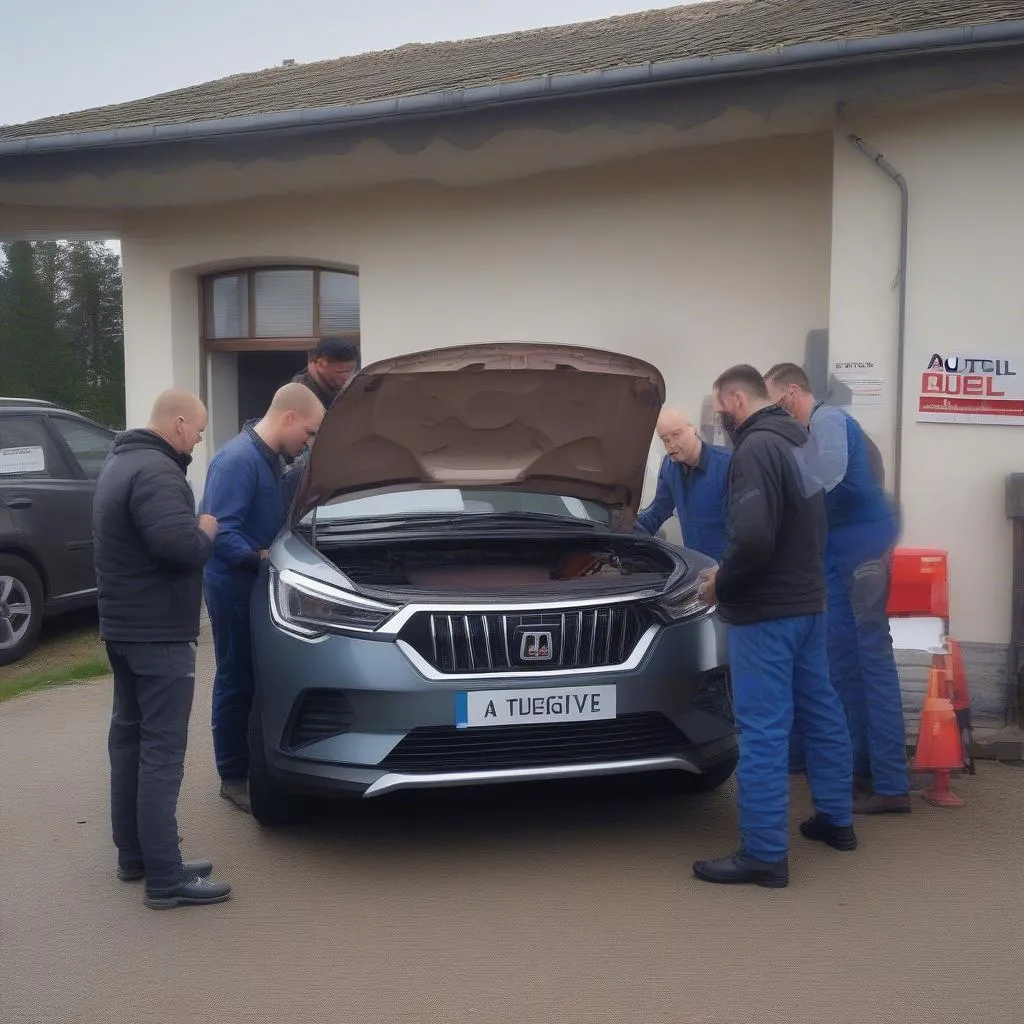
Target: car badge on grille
536,646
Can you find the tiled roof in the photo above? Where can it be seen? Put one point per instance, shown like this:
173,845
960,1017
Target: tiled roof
696,30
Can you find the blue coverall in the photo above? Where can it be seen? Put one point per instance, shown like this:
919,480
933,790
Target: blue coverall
244,492
698,494
862,531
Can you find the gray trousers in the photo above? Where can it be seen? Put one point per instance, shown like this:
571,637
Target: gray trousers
153,689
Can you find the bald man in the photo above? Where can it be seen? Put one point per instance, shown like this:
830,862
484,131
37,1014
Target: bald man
692,483
247,493
150,550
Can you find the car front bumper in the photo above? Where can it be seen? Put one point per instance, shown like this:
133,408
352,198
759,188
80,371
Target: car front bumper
400,729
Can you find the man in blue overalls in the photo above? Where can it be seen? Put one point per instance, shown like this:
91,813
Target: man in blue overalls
692,483
862,531
244,490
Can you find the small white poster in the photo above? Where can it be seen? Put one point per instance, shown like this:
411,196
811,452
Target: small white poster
22,460
857,383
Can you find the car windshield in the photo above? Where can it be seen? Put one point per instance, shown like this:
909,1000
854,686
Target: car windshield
450,501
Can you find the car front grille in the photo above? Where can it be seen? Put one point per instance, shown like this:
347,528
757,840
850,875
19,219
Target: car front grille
478,642
318,715
447,749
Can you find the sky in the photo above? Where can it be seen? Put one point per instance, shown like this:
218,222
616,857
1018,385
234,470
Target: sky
57,56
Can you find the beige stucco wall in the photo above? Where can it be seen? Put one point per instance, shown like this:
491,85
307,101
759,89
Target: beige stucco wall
964,165
695,261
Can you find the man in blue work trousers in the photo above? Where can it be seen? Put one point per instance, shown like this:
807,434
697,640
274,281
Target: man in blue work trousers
770,589
691,483
862,530
244,491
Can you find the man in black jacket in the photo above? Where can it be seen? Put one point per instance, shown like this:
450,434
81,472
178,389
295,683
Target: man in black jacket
770,589
150,550
330,365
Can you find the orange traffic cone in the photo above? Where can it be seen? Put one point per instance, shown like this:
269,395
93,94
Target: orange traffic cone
961,699
939,749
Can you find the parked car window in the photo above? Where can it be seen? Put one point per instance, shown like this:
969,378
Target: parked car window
27,451
88,444
443,500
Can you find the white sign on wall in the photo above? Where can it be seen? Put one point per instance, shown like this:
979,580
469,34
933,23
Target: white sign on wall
976,387
22,460
861,382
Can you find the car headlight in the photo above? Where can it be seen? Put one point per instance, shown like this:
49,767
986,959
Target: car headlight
311,608
682,604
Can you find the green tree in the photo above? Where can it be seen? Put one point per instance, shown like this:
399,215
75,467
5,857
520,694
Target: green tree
95,328
61,332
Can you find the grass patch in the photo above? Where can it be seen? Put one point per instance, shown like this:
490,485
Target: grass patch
25,682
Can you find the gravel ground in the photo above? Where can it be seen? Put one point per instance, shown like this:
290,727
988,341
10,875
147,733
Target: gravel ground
556,905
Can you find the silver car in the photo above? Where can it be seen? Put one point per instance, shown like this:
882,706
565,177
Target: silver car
460,598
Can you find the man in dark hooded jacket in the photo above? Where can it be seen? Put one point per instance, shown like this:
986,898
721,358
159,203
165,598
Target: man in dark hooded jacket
770,589
150,550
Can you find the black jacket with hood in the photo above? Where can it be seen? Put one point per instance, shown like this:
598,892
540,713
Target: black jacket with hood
148,547
773,566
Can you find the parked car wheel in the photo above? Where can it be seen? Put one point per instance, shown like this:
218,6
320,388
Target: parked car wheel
21,608
716,776
270,805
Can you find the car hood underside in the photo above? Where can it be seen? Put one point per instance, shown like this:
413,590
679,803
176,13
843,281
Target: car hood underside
529,417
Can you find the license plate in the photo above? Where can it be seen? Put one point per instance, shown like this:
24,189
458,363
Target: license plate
478,708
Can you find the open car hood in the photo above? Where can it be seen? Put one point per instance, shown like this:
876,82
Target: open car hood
551,419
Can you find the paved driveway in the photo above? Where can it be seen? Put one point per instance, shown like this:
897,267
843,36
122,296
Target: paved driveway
556,905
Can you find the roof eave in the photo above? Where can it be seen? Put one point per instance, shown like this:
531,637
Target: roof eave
547,87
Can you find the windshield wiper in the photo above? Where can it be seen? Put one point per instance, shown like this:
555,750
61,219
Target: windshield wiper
454,520
475,518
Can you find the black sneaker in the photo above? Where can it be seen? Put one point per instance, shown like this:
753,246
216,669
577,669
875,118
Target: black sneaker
136,872
820,830
193,890
875,803
236,791
739,869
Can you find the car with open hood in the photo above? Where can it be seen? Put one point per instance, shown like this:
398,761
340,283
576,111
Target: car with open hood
459,596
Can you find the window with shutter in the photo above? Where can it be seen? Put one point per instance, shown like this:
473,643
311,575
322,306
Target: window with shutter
278,308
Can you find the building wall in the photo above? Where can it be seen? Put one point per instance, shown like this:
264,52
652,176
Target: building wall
964,166
695,261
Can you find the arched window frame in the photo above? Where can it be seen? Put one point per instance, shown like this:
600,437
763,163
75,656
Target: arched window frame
250,342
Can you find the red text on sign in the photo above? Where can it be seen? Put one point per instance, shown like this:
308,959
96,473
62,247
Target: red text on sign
959,384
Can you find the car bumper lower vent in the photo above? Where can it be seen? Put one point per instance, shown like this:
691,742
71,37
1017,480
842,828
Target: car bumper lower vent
714,694
318,715
447,749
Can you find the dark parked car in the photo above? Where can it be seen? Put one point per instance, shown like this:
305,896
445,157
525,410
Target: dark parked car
49,461
460,599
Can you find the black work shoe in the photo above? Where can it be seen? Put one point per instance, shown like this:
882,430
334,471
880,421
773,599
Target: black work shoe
136,872
193,890
236,791
739,869
875,803
820,829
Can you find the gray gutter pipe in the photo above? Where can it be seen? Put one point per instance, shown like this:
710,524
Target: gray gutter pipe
887,168
547,87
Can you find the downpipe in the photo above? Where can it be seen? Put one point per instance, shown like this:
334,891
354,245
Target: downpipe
883,165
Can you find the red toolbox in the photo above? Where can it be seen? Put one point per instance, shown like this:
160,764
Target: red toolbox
920,582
